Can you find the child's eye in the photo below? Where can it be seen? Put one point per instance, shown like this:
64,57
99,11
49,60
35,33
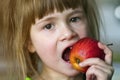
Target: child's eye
48,26
75,19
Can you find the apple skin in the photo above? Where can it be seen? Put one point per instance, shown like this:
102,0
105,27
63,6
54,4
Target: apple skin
83,49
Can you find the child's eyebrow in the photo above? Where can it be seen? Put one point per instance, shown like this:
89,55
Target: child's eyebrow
76,11
46,19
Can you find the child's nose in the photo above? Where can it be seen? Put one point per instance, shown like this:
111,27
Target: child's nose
67,34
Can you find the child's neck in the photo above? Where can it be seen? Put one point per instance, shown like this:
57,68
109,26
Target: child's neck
48,74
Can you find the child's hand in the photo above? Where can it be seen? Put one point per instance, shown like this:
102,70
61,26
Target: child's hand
99,69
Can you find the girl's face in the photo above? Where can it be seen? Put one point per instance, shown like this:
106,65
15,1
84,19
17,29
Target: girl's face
54,34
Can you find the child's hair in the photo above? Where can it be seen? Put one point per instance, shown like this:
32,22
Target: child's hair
19,15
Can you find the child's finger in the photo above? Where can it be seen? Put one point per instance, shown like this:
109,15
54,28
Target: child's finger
98,73
108,53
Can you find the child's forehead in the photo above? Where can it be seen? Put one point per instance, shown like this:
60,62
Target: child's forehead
68,10
64,12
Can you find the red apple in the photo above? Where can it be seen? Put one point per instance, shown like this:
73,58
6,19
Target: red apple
85,48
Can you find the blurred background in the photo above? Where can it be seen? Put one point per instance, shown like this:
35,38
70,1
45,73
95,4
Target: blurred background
110,32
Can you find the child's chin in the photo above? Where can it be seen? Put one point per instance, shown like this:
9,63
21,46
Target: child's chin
72,73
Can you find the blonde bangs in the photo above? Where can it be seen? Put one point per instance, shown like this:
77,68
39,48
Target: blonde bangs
45,7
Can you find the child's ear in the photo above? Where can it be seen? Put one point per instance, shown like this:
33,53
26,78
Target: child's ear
31,47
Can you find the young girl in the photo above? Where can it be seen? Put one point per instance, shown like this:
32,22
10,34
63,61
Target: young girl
38,34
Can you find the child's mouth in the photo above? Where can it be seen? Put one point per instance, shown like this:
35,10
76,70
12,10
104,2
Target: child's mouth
66,53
